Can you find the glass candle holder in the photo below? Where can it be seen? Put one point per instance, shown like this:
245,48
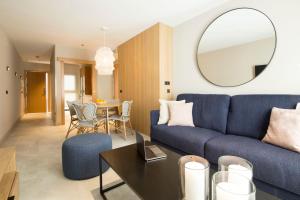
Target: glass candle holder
237,165
194,178
232,186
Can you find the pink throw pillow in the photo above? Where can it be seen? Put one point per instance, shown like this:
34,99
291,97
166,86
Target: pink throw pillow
284,129
181,114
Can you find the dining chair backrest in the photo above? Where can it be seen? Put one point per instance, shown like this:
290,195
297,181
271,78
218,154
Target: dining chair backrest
126,108
71,108
86,111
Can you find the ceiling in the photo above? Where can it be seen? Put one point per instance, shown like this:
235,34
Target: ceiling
34,26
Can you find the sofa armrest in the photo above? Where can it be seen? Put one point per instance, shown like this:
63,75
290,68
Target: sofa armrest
154,117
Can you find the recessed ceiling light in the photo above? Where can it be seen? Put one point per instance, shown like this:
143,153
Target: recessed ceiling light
7,68
16,74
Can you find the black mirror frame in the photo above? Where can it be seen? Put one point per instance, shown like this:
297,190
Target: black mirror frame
213,22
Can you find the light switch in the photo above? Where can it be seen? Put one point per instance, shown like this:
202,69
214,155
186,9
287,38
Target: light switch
167,82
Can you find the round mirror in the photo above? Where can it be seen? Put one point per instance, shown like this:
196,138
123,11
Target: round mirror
236,47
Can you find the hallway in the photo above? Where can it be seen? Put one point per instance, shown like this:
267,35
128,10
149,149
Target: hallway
38,144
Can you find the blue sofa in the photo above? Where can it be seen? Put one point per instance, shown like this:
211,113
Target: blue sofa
226,125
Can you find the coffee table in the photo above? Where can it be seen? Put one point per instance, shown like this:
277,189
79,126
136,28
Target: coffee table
157,180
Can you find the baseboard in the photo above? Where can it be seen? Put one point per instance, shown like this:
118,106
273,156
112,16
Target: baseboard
10,129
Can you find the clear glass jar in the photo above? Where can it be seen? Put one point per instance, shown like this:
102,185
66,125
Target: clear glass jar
194,178
232,186
236,165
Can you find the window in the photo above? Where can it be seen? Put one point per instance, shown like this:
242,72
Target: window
70,88
70,82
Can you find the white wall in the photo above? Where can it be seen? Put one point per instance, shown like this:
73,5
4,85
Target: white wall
235,65
35,66
11,104
281,76
105,86
77,53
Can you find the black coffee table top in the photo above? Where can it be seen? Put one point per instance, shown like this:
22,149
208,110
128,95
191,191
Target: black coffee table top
157,180
153,180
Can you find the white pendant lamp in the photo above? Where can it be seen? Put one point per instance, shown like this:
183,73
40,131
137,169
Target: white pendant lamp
104,58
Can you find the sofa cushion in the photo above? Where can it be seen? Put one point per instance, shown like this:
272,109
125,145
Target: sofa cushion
272,164
249,115
190,140
209,111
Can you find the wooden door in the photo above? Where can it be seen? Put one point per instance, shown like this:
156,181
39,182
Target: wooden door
36,92
88,80
87,91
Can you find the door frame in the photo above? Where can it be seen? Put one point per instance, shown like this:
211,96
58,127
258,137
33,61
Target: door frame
116,80
61,101
48,101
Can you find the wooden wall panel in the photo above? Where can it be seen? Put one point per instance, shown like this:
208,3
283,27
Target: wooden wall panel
139,68
116,81
166,61
94,82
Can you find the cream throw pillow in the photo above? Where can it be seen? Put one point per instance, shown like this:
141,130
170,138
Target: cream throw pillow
181,114
164,110
284,129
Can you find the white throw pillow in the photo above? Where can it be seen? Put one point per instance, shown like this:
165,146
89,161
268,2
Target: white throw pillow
164,110
181,114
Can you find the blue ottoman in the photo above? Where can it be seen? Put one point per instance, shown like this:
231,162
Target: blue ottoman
80,155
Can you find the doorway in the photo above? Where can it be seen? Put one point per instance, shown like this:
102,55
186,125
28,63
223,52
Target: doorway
77,83
87,85
71,83
36,92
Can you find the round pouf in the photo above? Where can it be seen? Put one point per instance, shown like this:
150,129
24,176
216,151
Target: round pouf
80,155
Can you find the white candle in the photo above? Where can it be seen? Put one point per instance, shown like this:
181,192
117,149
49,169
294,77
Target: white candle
230,191
194,181
234,171
241,170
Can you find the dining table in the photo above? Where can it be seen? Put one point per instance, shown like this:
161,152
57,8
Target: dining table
106,106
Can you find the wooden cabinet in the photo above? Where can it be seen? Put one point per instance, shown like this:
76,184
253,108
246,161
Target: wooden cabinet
145,72
86,85
9,177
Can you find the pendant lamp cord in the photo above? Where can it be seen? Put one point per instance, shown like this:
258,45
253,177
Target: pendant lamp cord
104,37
